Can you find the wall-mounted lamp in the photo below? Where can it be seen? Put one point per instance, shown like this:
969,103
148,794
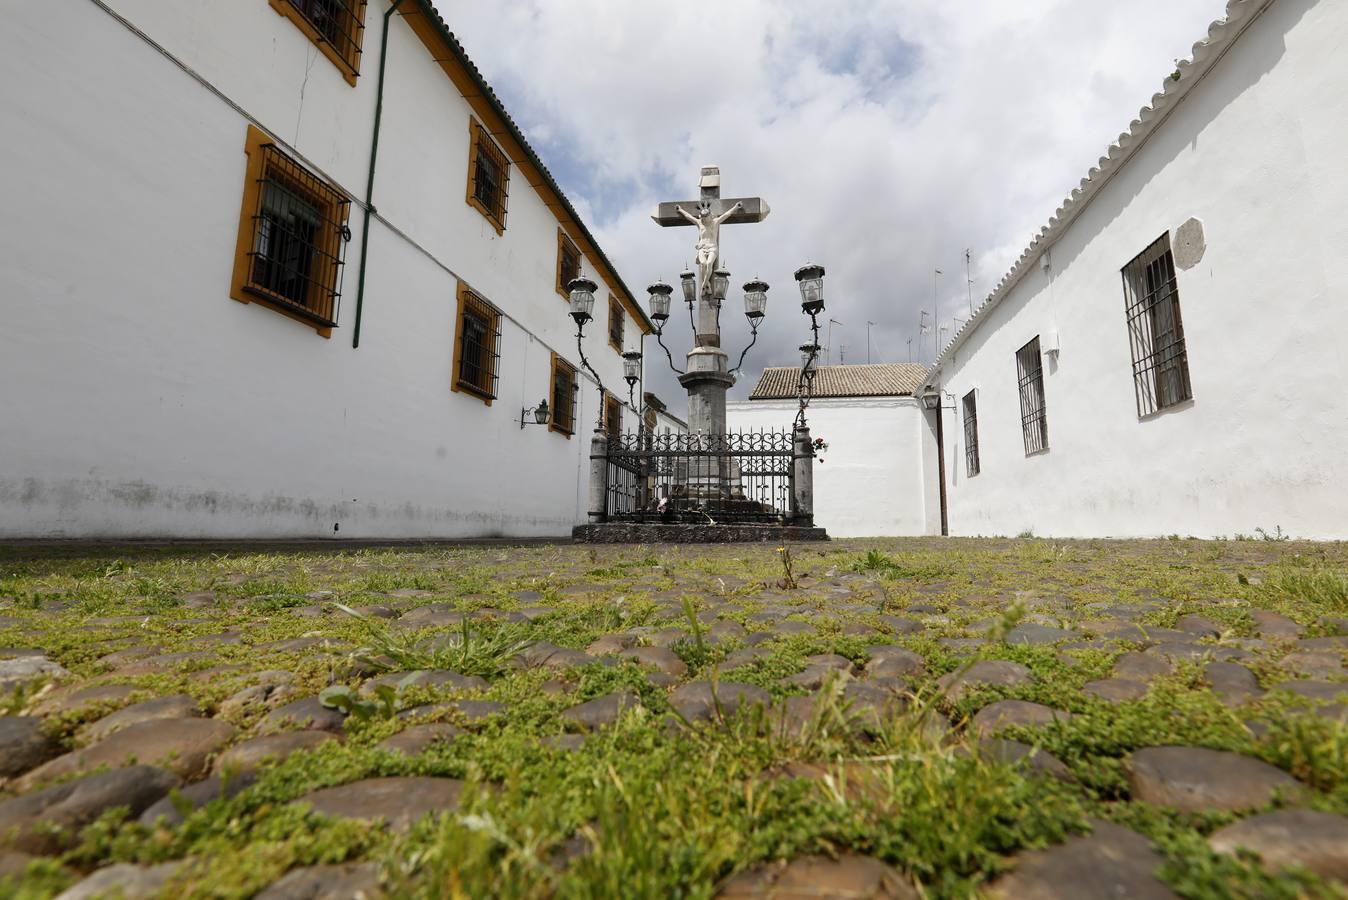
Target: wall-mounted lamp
541,414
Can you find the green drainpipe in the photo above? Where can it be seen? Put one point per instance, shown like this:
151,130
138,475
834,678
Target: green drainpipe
369,185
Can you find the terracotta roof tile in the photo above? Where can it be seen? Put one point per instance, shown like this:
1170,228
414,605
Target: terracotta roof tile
872,380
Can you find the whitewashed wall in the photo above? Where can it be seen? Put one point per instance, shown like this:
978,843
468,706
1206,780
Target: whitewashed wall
870,482
1256,152
139,400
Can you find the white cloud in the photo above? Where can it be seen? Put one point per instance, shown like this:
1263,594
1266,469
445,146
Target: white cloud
887,135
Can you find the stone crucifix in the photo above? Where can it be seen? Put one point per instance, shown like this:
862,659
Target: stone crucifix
708,214
708,378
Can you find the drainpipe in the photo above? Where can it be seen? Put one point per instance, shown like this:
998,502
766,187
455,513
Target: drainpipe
369,184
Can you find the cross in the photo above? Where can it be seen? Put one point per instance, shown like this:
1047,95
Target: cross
709,213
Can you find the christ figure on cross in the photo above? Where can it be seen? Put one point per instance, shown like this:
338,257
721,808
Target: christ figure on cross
708,244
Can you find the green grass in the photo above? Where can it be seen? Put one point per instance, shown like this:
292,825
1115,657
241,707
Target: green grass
649,807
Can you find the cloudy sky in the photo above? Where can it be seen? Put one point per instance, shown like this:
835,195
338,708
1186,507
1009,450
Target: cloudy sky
888,136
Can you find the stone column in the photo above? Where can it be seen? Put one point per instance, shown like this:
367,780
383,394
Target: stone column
598,476
802,469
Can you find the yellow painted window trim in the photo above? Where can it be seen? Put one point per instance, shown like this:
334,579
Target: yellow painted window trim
564,241
559,363
243,249
456,384
476,134
613,409
350,68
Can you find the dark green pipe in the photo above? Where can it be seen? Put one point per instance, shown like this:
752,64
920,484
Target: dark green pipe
369,185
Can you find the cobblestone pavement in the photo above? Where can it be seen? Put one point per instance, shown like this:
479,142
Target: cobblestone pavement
896,718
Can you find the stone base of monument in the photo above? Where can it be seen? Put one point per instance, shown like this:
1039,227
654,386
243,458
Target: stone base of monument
694,533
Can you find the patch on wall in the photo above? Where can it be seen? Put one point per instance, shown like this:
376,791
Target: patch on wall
1190,244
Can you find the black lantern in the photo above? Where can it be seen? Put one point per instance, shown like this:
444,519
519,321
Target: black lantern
631,367
582,299
811,279
689,283
720,284
541,414
755,300
659,302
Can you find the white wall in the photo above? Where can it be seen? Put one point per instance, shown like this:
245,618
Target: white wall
1256,152
870,482
139,400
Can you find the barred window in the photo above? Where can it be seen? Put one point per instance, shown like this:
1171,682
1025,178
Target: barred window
615,323
292,237
971,467
1155,331
335,26
613,415
1030,372
477,354
563,396
488,177
568,263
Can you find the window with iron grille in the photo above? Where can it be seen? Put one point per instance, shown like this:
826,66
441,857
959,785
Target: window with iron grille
970,435
613,415
335,26
568,263
1030,373
292,237
563,396
477,354
615,323
1155,331
488,177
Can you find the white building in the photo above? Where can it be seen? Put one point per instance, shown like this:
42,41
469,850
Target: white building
1168,355
226,316
870,481
659,420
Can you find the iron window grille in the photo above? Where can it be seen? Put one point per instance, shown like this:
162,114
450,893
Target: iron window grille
1155,330
615,324
568,263
1030,373
479,346
339,23
564,391
489,176
971,467
299,239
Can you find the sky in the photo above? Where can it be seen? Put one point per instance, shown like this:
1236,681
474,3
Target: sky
887,136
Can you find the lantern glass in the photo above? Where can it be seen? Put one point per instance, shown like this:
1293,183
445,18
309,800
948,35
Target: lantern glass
582,299
541,412
720,283
689,282
631,366
809,355
811,279
756,299
659,300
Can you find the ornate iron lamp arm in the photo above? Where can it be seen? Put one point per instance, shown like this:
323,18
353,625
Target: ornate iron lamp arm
580,349
754,331
670,356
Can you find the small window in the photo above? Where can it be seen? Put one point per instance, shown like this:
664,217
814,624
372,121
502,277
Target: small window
613,415
970,435
568,263
292,237
1033,421
615,323
563,396
477,353
488,176
1155,332
335,26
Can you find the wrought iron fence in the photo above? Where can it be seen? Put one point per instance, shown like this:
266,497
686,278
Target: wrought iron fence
743,477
